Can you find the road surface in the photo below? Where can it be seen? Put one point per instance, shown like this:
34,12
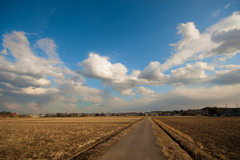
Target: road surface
138,144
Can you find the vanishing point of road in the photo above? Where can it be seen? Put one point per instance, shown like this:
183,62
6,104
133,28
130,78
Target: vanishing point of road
138,144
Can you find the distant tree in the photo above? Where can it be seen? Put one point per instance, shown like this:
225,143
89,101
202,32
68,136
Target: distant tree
184,114
213,110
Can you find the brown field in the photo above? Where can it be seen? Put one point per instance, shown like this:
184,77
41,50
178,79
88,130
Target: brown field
168,148
219,136
53,138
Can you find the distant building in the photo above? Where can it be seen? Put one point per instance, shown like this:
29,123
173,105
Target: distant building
154,113
166,113
15,114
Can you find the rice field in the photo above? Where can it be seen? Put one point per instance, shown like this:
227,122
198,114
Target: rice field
219,136
53,138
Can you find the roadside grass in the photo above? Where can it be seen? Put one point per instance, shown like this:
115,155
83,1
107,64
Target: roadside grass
193,148
169,149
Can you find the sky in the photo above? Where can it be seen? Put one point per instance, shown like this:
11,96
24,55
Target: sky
119,55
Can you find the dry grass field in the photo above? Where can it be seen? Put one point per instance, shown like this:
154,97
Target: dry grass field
219,136
53,138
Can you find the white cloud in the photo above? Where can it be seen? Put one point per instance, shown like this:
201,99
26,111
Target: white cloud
216,13
69,86
145,91
26,79
227,77
23,80
48,46
222,59
189,75
205,66
153,72
192,46
188,52
4,51
177,99
34,107
230,66
100,68
227,6
225,23
188,32
115,75
215,41
10,105
18,44
228,40
37,91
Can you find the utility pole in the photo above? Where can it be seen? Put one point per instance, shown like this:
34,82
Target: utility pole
226,105
236,105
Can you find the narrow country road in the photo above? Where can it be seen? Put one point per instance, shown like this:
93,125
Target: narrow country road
138,144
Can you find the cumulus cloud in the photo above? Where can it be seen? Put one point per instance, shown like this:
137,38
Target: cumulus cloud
145,91
227,77
189,75
100,68
37,91
115,75
230,66
202,44
221,39
178,98
188,32
153,72
217,40
205,66
229,40
69,86
25,79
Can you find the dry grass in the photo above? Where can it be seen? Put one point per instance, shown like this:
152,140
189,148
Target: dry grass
169,149
218,136
185,142
99,150
53,138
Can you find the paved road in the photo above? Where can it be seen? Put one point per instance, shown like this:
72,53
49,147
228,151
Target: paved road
138,144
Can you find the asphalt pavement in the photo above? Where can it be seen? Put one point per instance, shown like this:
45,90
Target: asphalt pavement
138,144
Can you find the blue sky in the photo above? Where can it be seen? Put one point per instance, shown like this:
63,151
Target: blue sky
117,56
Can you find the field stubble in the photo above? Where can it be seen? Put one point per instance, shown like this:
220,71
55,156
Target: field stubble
219,136
53,138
